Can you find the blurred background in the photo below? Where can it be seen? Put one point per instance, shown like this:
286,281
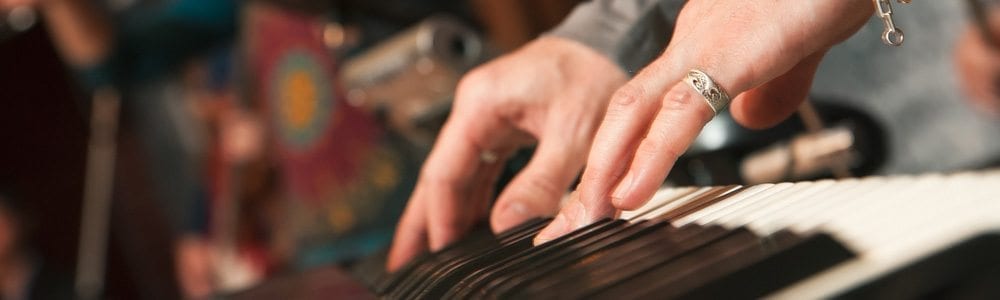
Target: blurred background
164,149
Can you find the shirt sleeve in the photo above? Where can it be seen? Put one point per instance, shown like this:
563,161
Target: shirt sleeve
630,32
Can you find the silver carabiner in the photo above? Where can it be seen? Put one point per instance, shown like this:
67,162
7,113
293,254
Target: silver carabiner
891,35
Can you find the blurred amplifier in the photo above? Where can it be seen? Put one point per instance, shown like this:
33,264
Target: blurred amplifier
409,80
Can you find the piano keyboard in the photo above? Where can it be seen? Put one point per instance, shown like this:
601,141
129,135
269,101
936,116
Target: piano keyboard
904,237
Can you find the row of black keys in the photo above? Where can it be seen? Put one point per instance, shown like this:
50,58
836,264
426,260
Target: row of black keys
611,259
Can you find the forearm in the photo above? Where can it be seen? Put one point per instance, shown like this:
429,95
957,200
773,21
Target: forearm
80,30
629,32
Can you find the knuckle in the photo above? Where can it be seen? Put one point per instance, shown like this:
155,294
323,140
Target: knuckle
628,95
473,87
434,179
690,101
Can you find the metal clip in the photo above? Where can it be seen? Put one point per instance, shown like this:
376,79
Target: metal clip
892,35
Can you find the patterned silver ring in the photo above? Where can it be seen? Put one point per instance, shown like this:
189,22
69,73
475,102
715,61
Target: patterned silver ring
716,97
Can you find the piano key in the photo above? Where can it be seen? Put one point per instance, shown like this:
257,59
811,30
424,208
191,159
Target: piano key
463,273
816,253
515,239
556,261
661,197
888,222
667,207
677,277
653,255
615,261
656,208
700,202
694,255
465,246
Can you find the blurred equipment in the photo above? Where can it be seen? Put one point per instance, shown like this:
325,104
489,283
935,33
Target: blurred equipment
99,182
410,79
870,238
797,149
804,156
343,177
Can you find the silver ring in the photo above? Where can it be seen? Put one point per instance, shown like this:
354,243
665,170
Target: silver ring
716,97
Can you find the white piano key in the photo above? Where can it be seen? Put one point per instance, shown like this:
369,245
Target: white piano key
661,197
741,196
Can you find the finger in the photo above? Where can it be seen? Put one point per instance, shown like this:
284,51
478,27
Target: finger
484,186
760,58
562,223
448,181
739,60
680,118
624,125
775,101
538,188
436,214
411,236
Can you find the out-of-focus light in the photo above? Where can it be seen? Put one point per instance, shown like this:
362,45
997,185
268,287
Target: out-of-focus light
21,18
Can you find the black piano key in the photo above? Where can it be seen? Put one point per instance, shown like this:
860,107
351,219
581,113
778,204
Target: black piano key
451,255
407,277
545,266
791,264
670,280
470,276
537,255
937,274
444,269
713,196
615,259
369,270
420,265
609,284
620,261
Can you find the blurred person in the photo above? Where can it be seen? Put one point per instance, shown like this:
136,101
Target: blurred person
139,48
570,91
977,56
23,274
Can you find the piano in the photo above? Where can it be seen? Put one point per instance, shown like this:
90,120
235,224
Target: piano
916,236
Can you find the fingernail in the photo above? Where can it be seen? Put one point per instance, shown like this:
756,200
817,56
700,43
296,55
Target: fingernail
623,189
553,230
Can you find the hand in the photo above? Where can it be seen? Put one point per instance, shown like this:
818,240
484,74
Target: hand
552,90
764,51
978,66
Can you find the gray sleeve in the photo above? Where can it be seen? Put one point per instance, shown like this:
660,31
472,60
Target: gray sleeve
630,32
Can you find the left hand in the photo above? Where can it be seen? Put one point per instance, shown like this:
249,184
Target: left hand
763,53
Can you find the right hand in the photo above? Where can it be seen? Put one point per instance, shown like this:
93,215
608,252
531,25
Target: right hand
553,91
